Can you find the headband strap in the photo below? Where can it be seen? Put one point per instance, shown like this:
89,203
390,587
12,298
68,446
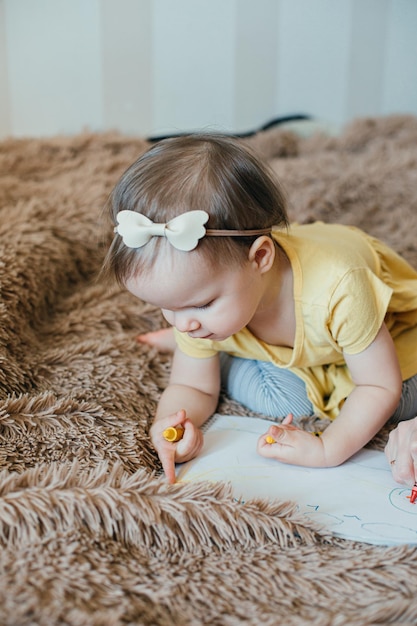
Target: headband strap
183,232
213,232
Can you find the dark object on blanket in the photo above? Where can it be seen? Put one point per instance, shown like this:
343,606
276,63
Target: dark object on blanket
277,121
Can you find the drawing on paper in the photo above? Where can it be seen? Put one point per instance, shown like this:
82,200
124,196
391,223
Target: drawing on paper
358,500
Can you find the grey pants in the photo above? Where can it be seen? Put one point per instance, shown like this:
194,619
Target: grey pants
267,389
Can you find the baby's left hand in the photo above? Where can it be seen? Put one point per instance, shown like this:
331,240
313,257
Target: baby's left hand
292,445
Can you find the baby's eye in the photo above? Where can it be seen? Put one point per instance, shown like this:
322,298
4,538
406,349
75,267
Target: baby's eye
205,306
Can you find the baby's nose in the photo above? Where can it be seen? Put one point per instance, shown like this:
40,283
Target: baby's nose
186,324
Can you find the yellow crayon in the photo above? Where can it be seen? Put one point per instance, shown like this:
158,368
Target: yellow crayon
269,439
173,433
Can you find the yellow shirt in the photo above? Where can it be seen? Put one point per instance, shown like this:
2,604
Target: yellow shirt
346,284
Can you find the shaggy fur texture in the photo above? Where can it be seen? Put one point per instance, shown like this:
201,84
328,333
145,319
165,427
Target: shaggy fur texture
89,533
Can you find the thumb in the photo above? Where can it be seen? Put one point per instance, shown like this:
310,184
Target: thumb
181,416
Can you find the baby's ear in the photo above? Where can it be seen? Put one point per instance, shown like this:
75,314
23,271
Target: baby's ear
262,253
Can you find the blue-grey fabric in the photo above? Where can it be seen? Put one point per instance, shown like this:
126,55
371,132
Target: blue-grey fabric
267,389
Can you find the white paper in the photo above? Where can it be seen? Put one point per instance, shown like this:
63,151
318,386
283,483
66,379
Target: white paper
358,500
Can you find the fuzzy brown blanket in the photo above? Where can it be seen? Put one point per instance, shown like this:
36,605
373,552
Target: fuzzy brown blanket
90,534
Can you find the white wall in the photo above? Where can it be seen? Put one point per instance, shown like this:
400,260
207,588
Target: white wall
162,66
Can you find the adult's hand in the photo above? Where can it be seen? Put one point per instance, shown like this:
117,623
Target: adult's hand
401,452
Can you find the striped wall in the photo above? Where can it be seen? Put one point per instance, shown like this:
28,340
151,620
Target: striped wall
154,67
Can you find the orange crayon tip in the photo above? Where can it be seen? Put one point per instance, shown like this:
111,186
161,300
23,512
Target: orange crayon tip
173,433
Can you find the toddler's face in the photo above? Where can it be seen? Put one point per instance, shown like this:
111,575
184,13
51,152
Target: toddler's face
199,300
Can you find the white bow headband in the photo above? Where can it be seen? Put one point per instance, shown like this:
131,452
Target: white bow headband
183,232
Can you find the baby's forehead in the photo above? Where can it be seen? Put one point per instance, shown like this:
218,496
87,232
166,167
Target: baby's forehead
170,266
176,263
170,288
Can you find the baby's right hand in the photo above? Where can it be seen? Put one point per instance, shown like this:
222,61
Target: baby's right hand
176,452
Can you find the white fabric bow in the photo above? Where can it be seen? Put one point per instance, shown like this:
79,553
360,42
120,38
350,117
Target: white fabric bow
182,232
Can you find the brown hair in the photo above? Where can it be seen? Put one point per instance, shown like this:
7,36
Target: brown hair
214,173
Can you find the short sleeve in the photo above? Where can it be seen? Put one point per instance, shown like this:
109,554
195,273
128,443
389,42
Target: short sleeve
357,310
197,348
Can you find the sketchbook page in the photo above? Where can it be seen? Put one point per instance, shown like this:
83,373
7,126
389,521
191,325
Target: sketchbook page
358,500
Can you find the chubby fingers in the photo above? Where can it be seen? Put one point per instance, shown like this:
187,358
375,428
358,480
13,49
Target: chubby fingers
270,438
179,449
277,436
292,445
165,434
274,438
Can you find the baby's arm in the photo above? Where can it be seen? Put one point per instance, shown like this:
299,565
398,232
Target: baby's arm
376,374
190,398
